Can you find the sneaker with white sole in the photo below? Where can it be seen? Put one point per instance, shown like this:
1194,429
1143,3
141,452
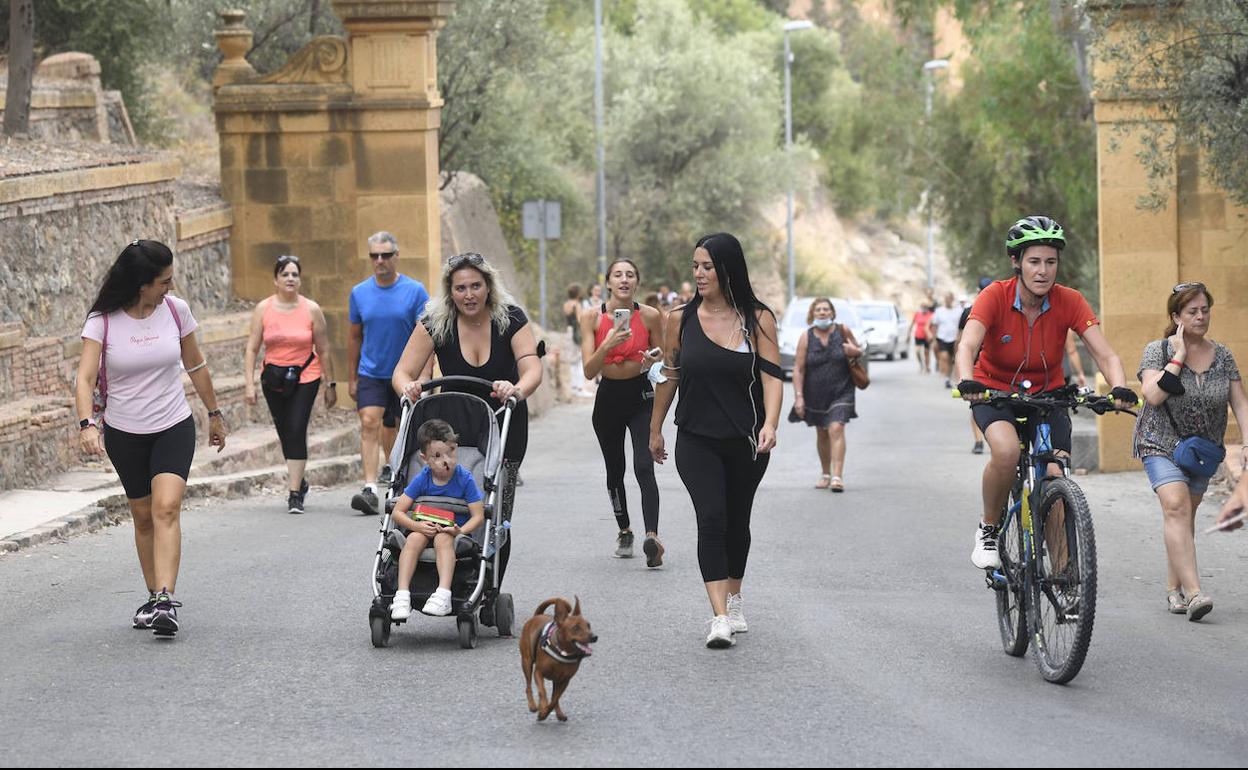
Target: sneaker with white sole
736,614
624,545
721,633
401,607
143,615
985,555
165,615
439,604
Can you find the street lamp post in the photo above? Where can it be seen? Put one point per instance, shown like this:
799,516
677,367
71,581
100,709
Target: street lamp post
600,152
929,70
792,26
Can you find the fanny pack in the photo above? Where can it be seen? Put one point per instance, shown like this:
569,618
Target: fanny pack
283,380
1196,455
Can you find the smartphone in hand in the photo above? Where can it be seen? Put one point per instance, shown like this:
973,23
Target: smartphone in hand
622,317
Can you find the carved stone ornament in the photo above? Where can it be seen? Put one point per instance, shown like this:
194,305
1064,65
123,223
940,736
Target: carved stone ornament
323,60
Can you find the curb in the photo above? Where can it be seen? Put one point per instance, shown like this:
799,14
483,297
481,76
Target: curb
112,510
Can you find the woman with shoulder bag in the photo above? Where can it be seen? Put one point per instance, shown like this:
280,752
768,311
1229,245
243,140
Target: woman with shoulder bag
136,343
823,386
296,355
1188,380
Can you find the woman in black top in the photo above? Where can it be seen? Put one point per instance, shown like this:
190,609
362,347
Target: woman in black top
475,329
723,354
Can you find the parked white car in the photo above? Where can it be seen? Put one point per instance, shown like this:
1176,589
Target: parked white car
888,329
793,326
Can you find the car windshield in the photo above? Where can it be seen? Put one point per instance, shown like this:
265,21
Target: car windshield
795,317
875,312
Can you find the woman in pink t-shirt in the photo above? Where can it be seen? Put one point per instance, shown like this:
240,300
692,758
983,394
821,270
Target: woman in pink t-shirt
292,329
136,343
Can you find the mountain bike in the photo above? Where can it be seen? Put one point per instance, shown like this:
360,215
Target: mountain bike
1046,585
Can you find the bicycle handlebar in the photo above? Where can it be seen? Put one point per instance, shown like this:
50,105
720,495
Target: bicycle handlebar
1097,403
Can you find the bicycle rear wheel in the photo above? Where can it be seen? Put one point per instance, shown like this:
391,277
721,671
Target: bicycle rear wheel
1062,603
1011,596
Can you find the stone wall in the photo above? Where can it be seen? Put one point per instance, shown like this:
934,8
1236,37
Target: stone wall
67,102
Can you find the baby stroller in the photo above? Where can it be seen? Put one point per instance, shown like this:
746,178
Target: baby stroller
475,587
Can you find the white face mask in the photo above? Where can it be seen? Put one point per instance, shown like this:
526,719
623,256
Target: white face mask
823,323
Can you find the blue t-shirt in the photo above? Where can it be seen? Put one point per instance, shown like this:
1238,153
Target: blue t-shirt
461,486
388,315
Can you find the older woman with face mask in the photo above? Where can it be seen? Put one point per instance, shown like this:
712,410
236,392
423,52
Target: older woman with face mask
823,388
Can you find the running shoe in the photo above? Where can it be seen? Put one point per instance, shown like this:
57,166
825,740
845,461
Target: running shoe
365,502
165,617
721,633
143,615
624,545
978,449
736,614
294,502
653,550
985,555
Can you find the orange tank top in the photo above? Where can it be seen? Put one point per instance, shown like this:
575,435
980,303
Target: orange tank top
628,351
288,339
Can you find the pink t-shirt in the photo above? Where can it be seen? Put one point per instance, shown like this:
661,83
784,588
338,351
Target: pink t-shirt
144,363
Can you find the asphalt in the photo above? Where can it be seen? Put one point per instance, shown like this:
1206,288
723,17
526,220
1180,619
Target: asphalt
873,641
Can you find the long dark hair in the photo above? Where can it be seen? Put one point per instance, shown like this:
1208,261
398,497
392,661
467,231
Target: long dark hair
139,264
734,281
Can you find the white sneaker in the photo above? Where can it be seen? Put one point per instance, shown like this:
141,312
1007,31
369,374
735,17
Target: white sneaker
438,604
736,614
401,607
721,633
985,555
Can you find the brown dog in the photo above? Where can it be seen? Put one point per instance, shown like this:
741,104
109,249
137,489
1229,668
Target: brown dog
553,648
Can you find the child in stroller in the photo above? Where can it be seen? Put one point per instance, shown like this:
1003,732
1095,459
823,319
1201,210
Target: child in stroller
441,477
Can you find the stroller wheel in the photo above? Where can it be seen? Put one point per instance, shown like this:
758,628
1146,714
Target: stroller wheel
381,631
504,614
468,633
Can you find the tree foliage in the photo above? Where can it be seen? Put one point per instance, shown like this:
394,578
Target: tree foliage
1017,140
1192,58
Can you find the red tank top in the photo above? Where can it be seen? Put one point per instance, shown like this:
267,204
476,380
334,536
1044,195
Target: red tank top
630,350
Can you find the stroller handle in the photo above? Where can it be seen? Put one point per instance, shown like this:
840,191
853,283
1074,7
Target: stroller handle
461,379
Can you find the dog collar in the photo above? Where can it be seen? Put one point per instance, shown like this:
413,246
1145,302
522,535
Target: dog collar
549,646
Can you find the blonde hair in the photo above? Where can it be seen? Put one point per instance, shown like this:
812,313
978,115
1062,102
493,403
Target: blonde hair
441,313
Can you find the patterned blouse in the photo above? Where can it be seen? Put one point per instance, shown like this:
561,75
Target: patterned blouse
1201,411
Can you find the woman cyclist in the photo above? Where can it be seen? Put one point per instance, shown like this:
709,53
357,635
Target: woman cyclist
1017,328
621,354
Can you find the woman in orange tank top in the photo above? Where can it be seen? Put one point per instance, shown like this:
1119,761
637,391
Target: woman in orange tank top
620,353
292,329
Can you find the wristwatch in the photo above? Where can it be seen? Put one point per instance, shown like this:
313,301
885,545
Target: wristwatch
84,424
214,413
332,385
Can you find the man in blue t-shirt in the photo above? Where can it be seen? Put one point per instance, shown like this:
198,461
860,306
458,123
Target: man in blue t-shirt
384,310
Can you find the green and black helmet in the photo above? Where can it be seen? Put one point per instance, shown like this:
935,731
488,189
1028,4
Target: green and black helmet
1034,231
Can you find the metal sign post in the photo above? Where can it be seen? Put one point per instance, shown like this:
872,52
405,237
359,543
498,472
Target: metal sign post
542,220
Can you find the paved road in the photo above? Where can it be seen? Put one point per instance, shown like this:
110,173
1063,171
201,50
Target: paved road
872,641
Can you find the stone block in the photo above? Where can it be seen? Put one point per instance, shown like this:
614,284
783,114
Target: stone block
406,216
265,185
289,223
390,162
12,334
311,185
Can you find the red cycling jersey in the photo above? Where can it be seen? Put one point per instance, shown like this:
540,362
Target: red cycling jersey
1013,350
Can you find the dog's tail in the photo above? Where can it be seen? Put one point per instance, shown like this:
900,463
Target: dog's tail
562,608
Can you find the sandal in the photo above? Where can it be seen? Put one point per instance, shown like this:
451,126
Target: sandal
837,485
823,482
1176,602
1199,606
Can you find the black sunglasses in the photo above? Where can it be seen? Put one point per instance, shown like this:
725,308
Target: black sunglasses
382,255
1189,285
470,258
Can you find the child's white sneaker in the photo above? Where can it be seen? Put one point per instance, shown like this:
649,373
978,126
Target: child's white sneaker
439,603
401,607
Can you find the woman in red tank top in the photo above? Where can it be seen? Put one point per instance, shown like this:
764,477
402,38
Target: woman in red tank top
620,353
292,329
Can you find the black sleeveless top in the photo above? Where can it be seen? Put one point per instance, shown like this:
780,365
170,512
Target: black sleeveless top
501,365
721,390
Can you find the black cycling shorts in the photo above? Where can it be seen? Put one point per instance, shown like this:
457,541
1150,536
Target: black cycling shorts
1059,424
141,457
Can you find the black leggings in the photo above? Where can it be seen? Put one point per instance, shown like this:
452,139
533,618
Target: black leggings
291,415
722,477
626,405
141,457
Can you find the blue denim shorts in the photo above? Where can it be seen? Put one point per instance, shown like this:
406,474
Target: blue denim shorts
1162,470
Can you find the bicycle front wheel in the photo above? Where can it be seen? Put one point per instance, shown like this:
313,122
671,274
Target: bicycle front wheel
1011,602
1062,601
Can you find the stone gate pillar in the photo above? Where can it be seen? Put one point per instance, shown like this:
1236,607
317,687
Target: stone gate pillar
1198,236
338,144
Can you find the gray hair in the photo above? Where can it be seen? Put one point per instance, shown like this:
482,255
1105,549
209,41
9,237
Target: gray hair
381,236
440,312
